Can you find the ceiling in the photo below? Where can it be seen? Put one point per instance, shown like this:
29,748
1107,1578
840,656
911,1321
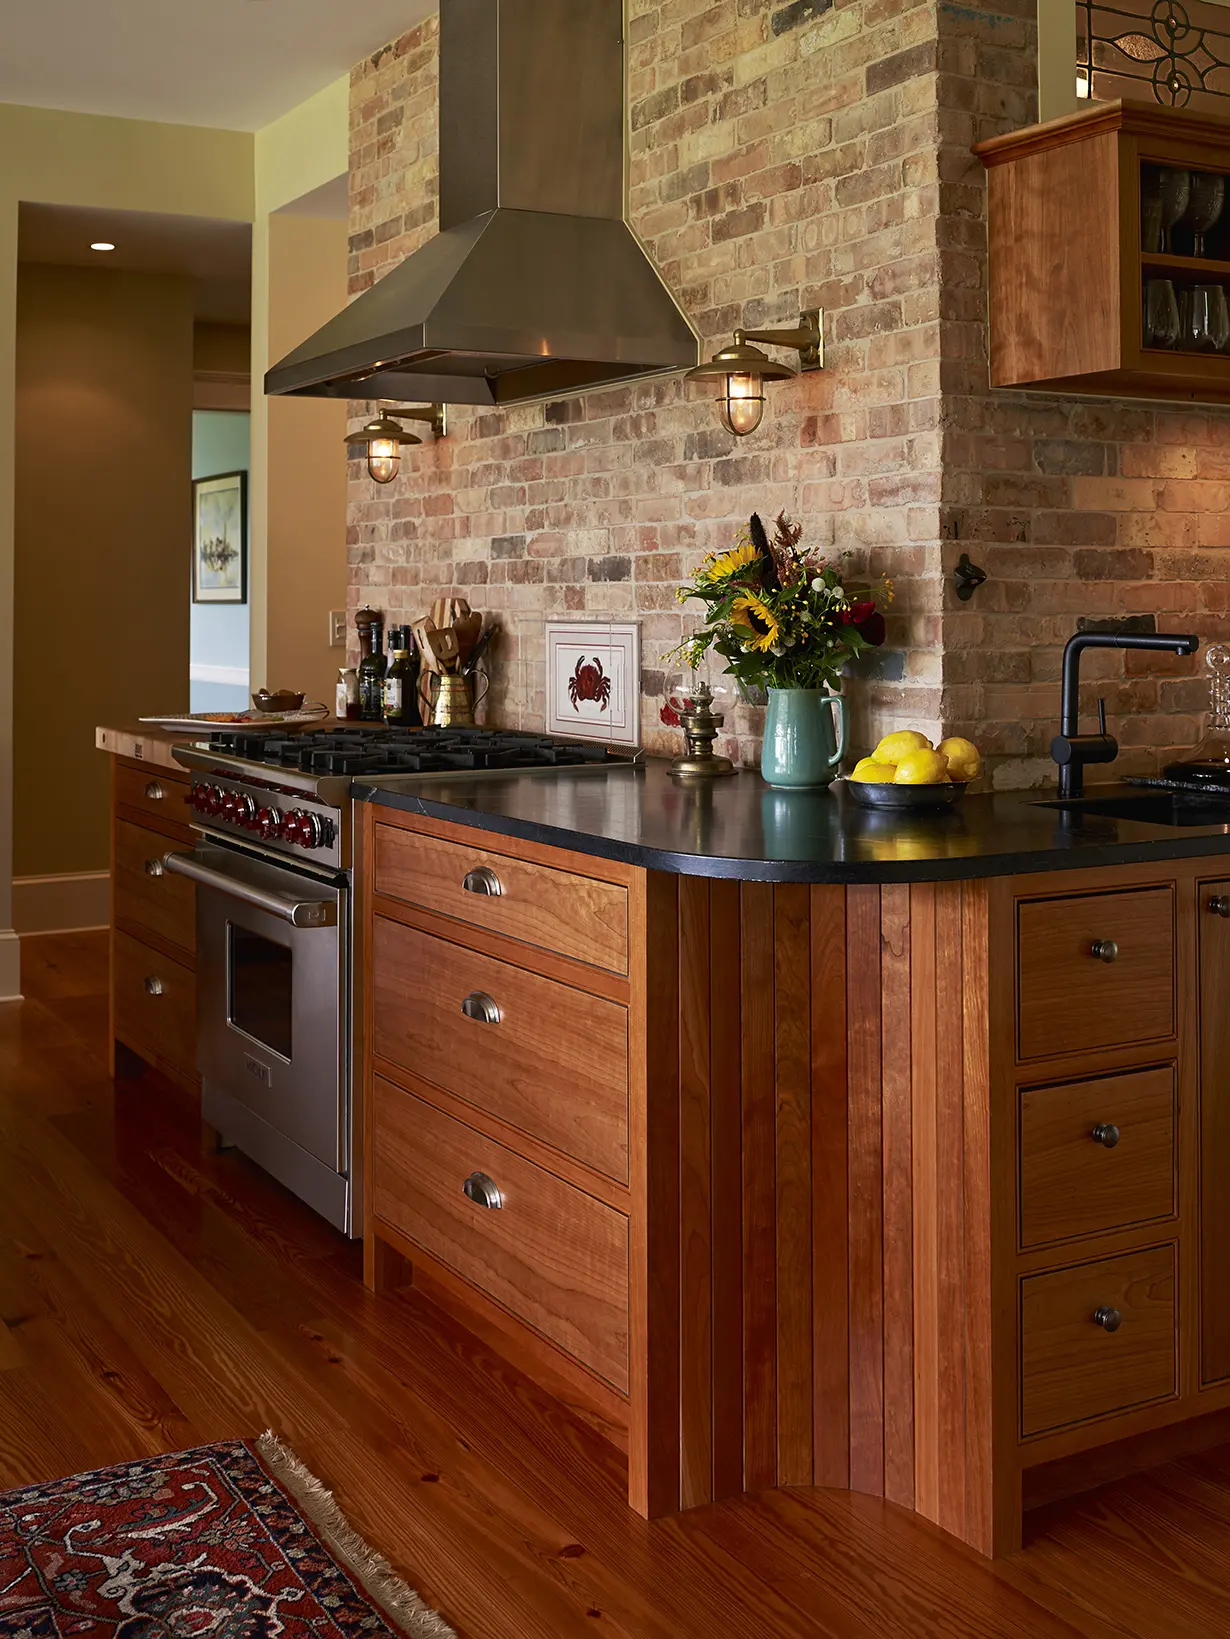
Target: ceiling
234,64
216,256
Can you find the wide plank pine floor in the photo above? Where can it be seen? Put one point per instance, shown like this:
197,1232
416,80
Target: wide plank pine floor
154,1296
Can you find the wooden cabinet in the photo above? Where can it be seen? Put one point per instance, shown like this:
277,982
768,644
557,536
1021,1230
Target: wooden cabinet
578,916
552,1256
153,912
824,1191
1097,1155
1095,970
1098,1338
1213,923
548,1059
1067,263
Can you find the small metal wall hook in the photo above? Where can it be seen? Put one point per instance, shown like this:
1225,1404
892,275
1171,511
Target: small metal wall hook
968,576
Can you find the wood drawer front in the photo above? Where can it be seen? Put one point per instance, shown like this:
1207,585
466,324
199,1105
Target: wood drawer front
552,1256
1071,1368
554,1066
152,792
1068,999
147,895
159,1019
576,916
1072,1183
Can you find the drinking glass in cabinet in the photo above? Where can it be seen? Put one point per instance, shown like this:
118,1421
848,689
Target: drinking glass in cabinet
1161,313
1176,189
1206,199
1151,207
1206,320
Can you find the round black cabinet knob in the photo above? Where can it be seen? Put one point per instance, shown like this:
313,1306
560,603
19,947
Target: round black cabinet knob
1106,950
1219,904
1106,1133
1107,1318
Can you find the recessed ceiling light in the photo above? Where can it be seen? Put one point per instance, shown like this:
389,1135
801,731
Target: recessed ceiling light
102,244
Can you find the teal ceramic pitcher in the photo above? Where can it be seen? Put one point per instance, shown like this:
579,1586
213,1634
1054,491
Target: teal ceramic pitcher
804,737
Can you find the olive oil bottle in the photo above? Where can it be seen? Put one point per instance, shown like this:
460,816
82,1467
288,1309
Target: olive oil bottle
401,703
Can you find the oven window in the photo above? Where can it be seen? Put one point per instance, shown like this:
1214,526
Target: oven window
260,999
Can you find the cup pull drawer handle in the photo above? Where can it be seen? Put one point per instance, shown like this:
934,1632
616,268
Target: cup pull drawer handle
478,1005
153,867
154,792
482,879
1107,1318
483,1191
1106,950
153,986
1219,904
1106,1134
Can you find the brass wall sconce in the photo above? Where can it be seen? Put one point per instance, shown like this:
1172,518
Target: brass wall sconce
743,369
385,436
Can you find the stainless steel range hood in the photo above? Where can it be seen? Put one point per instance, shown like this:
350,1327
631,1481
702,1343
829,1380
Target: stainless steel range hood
534,285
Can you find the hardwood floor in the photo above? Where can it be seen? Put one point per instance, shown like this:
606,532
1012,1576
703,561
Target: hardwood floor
154,1295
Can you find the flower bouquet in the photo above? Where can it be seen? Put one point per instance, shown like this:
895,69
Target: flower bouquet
784,619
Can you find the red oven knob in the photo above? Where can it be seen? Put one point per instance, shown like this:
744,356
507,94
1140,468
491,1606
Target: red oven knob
245,812
291,824
311,831
269,823
213,800
230,806
198,797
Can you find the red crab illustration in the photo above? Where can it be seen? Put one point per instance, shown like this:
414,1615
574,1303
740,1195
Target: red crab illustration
589,682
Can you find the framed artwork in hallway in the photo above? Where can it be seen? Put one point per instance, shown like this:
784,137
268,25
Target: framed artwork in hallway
220,538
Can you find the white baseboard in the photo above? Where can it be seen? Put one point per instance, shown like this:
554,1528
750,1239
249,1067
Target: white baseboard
236,676
10,966
70,903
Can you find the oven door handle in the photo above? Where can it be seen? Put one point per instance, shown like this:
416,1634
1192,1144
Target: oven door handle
300,913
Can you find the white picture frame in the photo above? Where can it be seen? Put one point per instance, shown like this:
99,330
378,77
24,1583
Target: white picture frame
594,680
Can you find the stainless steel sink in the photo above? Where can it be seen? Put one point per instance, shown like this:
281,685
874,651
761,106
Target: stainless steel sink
1149,808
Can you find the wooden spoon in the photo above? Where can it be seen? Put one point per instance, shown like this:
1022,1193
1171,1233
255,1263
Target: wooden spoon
422,629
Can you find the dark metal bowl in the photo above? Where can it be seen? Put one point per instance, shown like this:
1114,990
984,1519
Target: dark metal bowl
910,798
282,700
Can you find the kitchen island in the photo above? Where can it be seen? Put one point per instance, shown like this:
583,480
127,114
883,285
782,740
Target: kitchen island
801,1145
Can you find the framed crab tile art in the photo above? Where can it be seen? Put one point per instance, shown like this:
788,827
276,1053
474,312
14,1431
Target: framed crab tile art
594,680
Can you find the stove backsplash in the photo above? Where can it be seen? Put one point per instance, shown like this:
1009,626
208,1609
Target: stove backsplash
786,156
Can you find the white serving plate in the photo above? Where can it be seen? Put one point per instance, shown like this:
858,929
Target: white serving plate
196,722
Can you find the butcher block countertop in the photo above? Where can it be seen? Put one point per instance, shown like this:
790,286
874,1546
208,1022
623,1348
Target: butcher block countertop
146,745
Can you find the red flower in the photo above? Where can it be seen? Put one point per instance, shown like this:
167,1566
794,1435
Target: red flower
867,621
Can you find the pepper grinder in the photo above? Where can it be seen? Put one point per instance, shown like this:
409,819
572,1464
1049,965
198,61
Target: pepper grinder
700,725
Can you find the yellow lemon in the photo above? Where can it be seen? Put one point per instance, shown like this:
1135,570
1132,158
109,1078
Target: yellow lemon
923,768
964,758
893,747
870,772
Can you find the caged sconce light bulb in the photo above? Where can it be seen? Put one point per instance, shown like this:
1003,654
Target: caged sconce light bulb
385,436
742,369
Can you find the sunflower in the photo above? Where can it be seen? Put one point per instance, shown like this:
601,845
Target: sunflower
753,615
724,566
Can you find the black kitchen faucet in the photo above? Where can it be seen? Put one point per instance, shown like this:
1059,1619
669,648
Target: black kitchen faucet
1070,748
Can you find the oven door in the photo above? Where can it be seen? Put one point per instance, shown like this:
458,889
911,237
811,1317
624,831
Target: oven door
271,994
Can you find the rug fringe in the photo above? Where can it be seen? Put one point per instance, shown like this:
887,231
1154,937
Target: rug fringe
371,1570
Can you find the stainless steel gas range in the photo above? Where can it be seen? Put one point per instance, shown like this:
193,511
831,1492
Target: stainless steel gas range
275,897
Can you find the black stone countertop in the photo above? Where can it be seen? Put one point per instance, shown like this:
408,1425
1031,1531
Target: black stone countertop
742,828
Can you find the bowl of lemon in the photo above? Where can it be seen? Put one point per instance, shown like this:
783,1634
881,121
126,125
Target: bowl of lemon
906,771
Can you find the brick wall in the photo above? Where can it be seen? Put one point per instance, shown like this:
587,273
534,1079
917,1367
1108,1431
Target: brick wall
1073,506
785,156
782,155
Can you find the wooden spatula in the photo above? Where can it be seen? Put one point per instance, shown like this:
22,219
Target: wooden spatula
445,647
422,629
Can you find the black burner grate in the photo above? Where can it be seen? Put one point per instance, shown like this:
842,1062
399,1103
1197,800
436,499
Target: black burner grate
374,750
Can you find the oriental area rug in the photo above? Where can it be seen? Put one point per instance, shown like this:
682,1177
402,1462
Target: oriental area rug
230,1541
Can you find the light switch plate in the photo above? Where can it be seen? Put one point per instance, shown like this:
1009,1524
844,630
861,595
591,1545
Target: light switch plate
337,628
